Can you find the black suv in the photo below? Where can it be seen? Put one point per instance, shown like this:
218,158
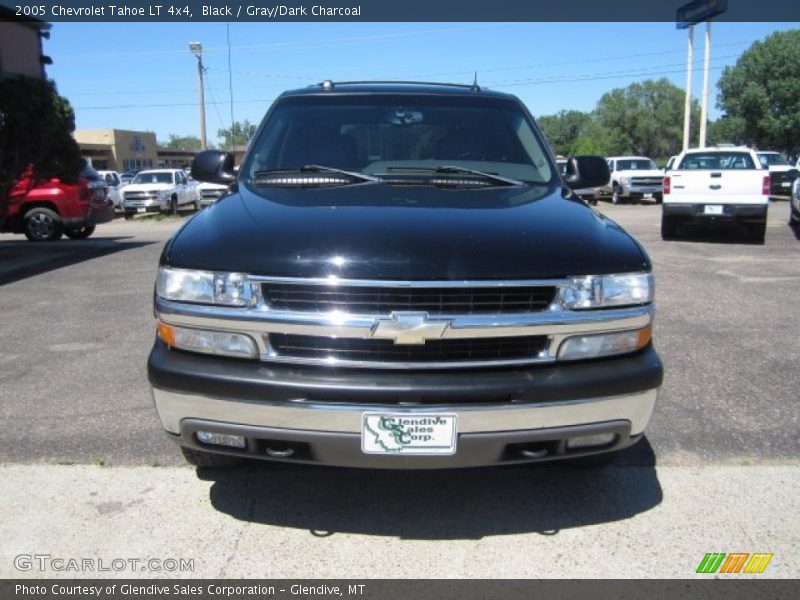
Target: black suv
400,277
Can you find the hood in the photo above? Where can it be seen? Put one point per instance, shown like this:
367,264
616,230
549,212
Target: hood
641,173
148,187
210,186
380,231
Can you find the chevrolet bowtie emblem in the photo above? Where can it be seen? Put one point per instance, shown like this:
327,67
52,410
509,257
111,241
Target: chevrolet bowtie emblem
411,328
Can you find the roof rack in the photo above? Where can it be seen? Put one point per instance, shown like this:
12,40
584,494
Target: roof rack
329,84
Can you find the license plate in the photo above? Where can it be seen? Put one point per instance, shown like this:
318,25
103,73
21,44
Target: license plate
712,209
786,184
141,209
408,433
647,195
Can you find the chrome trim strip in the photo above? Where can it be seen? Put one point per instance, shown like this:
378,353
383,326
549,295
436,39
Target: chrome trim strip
262,320
334,280
306,416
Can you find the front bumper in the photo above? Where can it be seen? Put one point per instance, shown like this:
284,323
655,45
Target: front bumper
504,416
730,212
640,190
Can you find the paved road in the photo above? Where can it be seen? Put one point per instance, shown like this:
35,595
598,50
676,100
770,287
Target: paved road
73,384
718,471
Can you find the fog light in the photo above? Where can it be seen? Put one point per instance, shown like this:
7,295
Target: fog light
221,439
590,441
210,342
604,344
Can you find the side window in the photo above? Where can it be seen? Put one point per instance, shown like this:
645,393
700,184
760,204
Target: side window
610,165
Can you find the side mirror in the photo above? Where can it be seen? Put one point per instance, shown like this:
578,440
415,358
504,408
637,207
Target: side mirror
586,172
213,166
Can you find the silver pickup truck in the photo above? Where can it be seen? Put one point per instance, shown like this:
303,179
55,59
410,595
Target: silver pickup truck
716,185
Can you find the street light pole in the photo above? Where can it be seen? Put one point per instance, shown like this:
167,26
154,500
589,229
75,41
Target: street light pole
196,48
687,106
704,105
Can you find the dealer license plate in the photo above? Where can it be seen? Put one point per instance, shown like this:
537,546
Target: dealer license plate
408,433
712,209
141,209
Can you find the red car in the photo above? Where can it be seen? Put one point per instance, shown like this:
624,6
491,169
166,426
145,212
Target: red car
44,210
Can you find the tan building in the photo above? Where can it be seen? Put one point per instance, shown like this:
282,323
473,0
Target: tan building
21,45
123,150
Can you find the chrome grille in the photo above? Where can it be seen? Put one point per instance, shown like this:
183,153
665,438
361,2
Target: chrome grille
385,300
647,180
377,351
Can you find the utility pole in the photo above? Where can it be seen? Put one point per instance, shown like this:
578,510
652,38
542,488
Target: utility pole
704,105
687,106
196,48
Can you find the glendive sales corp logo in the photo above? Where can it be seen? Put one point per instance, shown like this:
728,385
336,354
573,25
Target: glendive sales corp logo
734,562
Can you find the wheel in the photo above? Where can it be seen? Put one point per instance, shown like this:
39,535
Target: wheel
128,216
659,198
758,232
794,213
668,227
43,225
197,458
196,205
79,233
173,206
615,194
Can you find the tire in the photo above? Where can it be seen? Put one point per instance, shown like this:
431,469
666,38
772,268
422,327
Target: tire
43,225
758,232
128,216
794,214
196,458
615,194
79,233
668,227
196,205
173,206
659,198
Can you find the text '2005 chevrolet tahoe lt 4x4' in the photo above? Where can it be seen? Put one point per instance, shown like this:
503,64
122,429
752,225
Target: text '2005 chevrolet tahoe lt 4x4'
401,278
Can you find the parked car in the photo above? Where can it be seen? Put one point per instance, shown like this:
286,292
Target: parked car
46,210
127,177
588,194
781,172
399,278
716,185
159,190
114,184
794,209
208,193
633,177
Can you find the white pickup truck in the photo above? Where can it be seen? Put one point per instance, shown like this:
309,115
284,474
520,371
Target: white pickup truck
716,185
632,178
159,190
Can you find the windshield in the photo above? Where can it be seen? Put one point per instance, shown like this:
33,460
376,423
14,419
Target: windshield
717,160
767,160
153,177
639,164
379,134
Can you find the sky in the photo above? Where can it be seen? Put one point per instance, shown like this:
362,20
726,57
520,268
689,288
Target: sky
141,76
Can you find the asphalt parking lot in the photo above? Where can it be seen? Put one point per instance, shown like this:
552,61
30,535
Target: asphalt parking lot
78,326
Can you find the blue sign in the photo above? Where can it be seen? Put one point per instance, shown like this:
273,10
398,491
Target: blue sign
137,145
698,11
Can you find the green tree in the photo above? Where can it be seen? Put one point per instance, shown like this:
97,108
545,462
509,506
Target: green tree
646,118
36,126
727,130
238,134
183,142
762,90
564,128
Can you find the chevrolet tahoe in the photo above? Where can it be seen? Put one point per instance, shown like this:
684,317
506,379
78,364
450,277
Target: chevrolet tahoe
400,277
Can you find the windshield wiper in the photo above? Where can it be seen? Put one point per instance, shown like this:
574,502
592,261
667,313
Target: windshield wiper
319,169
454,169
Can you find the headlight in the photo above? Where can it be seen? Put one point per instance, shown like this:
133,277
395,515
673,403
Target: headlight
222,343
205,287
624,180
603,291
581,347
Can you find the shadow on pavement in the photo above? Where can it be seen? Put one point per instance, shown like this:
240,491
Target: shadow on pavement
440,504
718,234
20,259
